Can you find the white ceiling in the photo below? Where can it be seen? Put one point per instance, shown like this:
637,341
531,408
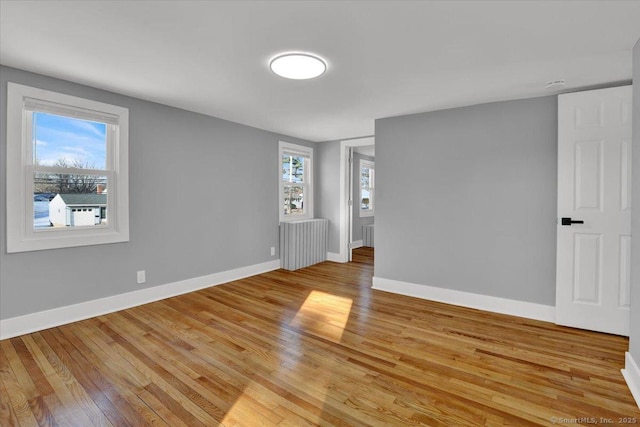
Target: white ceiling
386,58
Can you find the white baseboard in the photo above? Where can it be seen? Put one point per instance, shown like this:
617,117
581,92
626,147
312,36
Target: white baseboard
631,374
72,313
466,299
356,244
335,257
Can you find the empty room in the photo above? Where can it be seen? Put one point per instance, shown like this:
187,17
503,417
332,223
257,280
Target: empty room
319,213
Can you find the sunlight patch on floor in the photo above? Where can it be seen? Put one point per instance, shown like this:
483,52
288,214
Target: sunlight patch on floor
324,315
252,408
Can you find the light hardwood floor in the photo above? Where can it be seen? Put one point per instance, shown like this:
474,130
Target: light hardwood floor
311,347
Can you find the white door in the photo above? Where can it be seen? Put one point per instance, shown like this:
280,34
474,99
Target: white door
594,210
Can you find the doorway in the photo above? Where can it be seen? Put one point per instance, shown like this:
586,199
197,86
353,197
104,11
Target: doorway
363,197
347,204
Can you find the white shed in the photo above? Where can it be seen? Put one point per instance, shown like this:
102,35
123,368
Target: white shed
78,209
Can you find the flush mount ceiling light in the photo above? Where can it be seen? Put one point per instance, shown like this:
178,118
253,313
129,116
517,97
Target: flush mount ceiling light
298,66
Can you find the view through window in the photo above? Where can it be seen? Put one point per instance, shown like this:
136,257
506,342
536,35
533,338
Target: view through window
69,183
295,181
367,181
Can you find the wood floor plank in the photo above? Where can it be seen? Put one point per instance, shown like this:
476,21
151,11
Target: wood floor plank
16,407
11,363
129,347
310,347
86,374
67,384
8,415
64,406
34,374
121,381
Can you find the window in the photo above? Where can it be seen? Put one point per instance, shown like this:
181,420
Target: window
66,157
367,187
295,181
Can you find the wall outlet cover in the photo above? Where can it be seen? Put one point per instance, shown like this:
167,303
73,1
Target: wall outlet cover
141,276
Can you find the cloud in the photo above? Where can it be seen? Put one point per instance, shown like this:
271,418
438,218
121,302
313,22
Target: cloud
70,139
97,129
51,160
76,149
63,144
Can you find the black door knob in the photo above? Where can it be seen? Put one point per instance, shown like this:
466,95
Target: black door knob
569,221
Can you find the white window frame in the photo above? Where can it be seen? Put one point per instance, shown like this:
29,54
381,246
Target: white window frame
287,147
22,102
367,164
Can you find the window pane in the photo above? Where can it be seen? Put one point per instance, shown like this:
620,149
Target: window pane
69,200
364,178
68,142
293,200
293,168
365,202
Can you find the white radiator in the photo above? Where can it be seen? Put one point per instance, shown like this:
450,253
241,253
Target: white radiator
303,243
367,235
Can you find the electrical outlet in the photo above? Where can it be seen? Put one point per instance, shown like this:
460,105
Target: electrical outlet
142,276
273,250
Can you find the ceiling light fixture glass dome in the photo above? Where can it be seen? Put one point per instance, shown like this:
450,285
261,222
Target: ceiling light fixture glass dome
298,65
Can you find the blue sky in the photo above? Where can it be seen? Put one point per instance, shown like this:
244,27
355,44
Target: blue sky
58,137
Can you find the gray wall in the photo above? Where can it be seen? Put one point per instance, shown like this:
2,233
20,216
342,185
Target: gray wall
473,206
328,189
358,221
182,164
634,340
